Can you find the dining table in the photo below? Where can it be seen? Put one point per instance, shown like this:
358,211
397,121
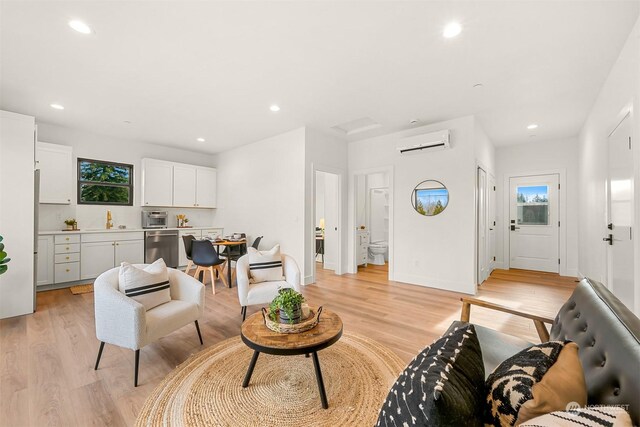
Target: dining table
228,244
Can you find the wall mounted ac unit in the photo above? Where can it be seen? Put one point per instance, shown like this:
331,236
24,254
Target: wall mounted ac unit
428,141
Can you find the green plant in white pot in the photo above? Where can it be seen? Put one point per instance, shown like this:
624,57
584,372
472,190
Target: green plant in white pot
289,304
3,258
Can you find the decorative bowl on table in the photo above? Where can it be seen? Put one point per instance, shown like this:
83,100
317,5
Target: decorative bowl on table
308,323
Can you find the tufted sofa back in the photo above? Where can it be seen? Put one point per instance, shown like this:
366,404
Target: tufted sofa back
608,334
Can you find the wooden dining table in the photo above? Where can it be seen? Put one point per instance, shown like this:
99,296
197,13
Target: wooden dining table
227,246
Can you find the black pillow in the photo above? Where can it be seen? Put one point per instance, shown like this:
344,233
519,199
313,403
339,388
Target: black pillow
442,386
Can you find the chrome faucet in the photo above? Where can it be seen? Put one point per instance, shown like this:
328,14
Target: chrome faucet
109,220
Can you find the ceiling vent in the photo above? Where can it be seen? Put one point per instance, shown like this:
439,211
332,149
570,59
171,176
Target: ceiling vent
357,126
428,142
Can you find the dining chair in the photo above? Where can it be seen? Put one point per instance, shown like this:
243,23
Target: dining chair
206,258
256,242
187,249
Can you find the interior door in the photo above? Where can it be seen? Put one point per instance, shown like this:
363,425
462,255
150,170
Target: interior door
533,223
483,264
619,233
491,201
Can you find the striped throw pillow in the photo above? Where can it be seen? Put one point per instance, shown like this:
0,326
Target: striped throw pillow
265,266
149,286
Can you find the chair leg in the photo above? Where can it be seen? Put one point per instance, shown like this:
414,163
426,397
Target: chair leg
213,279
135,374
99,355
189,267
199,334
197,273
244,313
221,275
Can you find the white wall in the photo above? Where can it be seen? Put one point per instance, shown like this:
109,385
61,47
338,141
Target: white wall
329,154
434,251
261,192
100,147
531,158
619,95
16,212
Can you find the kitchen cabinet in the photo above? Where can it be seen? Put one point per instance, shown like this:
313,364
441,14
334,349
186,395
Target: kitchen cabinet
157,183
103,251
56,172
182,254
46,259
185,186
66,258
97,257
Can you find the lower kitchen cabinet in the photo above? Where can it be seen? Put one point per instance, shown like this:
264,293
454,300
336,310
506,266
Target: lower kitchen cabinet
45,260
131,251
96,258
100,256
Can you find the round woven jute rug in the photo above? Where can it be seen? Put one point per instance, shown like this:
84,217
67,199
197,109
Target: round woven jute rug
206,390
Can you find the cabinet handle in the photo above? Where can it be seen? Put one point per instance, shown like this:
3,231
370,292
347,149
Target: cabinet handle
68,200
113,244
67,257
67,239
67,248
68,270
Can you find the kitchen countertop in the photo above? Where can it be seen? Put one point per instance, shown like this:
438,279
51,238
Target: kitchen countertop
118,230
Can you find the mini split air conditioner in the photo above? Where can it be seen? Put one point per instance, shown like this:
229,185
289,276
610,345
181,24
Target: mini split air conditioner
428,141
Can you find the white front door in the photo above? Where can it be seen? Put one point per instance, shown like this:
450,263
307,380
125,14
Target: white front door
619,233
483,257
533,223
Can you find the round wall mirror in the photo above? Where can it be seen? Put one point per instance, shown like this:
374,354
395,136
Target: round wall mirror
430,197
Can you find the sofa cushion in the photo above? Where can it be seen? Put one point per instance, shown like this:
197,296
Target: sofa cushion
511,384
603,416
149,285
265,292
167,317
443,385
265,266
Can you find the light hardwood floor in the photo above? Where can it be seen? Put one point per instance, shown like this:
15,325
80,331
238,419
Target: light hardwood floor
46,359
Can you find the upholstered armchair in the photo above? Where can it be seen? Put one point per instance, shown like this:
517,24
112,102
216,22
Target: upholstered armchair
122,321
264,292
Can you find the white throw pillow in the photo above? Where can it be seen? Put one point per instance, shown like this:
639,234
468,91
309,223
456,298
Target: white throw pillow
265,266
597,416
149,286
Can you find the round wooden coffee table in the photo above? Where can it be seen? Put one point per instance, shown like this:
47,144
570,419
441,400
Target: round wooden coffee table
263,340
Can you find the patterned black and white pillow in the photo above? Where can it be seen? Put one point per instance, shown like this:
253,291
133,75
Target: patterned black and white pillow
442,386
510,385
265,266
602,416
149,286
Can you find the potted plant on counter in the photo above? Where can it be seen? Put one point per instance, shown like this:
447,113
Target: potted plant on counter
3,258
289,304
70,223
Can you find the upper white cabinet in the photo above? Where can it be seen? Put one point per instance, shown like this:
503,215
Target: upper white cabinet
179,185
157,182
56,172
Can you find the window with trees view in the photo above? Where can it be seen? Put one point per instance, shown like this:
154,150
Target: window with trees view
104,183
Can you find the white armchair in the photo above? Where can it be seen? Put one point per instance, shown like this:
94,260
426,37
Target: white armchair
264,292
122,321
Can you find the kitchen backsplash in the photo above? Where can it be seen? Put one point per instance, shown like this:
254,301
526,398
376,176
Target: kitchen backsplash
92,216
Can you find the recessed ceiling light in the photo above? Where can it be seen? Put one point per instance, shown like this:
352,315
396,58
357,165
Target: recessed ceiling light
80,26
532,126
200,139
451,30
57,106
274,108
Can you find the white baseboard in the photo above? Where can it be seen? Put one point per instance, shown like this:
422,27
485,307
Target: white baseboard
307,280
498,265
572,272
447,285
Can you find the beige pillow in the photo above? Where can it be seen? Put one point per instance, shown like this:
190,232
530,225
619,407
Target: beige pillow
563,383
265,266
149,286
601,416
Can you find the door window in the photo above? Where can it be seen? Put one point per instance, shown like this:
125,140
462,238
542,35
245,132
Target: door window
533,205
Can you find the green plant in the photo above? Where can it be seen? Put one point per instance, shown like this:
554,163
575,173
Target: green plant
3,258
288,301
70,221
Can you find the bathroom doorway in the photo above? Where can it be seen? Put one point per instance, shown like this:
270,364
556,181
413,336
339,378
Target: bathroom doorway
372,237
327,218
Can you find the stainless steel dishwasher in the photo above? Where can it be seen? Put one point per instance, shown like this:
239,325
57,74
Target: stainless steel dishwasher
161,244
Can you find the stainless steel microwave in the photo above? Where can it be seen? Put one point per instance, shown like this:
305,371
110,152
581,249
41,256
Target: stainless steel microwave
155,219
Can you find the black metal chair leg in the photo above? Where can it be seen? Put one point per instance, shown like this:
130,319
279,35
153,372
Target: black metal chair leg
199,334
323,395
244,313
135,375
99,355
252,365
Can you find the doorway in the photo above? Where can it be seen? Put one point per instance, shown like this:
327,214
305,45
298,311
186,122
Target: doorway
486,221
534,212
327,218
620,200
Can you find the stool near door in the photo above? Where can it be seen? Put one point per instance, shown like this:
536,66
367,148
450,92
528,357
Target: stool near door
206,258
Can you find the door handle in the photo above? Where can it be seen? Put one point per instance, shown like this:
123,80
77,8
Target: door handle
514,228
609,239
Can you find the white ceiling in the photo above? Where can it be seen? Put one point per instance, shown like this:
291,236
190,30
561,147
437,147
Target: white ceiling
180,70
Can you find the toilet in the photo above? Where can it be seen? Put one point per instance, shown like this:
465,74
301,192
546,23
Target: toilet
377,252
